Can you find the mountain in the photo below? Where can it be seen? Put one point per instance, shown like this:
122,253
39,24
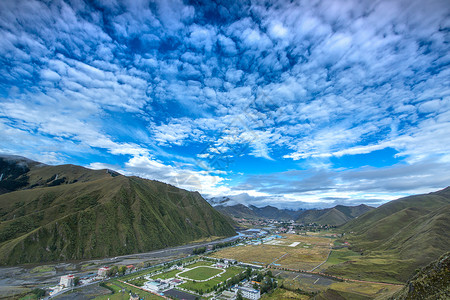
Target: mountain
431,282
337,215
237,211
399,236
331,216
270,212
54,213
253,212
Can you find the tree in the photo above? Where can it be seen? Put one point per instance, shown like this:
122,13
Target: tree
239,296
122,270
248,272
140,265
112,271
38,292
76,281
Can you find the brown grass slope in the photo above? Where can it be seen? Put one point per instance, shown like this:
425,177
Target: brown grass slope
97,214
404,234
431,282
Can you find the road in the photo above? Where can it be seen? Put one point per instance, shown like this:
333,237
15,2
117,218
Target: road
20,276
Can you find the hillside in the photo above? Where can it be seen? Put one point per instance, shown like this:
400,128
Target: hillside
431,282
270,212
399,236
253,212
237,211
337,215
69,212
331,216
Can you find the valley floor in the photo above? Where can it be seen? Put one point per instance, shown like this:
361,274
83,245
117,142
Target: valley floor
19,280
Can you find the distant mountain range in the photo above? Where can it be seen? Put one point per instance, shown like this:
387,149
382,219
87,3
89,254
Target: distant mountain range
54,213
337,215
413,231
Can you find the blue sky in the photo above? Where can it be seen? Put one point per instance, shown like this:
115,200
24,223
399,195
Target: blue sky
311,103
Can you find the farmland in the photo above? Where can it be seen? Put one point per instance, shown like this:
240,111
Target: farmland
292,251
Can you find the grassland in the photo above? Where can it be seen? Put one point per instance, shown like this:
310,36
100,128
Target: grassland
200,273
282,294
379,267
166,275
346,290
309,253
42,269
340,256
95,214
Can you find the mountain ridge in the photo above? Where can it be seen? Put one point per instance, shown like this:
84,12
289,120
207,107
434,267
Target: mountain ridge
96,213
400,236
336,215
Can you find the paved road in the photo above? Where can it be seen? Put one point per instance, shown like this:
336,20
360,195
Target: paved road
21,276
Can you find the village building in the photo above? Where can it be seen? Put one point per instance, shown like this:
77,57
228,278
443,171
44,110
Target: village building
103,272
156,286
67,281
249,293
130,269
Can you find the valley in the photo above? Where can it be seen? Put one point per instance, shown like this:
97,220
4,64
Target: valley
121,236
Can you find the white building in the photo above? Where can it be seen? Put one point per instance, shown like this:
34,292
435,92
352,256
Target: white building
103,271
156,286
249,293
66,281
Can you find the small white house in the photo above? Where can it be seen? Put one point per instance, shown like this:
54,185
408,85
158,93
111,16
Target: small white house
67,281
249,293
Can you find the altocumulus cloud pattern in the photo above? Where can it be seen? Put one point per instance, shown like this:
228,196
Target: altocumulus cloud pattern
358,94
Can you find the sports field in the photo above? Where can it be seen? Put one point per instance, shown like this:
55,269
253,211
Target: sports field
200,273
293,251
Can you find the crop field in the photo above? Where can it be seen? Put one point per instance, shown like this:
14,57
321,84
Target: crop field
383,267
293,251
358,290
200,273
338,257
282,294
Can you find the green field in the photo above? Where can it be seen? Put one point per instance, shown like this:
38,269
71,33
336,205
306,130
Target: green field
203,286
201,273
166,275
340,256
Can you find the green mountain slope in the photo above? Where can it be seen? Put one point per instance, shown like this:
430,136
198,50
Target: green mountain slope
237,211
337,215
97,214
271,212
398,237
431,282
253,212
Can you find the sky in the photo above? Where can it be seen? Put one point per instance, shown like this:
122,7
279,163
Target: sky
294,104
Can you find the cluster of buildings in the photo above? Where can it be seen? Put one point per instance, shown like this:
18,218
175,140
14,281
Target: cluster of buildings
246,291
159,285
66,281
